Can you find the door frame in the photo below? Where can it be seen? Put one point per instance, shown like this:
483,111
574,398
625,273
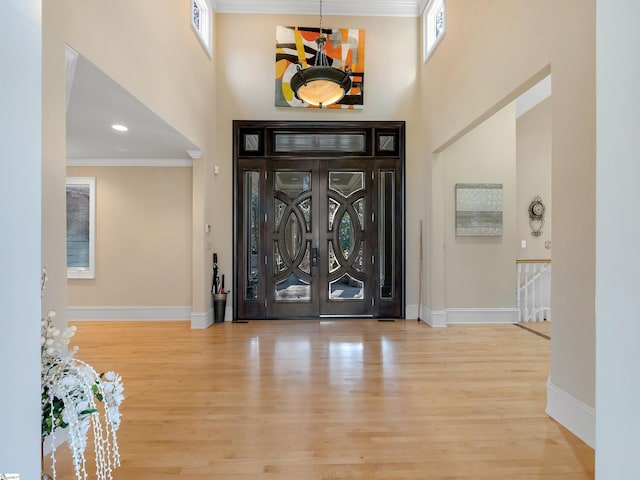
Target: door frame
255,143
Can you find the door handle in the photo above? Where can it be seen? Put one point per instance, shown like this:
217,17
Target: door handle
314,257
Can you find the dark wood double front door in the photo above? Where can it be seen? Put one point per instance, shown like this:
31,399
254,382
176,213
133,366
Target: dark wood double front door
319,229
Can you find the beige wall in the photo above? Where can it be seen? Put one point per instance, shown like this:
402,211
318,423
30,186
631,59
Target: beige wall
143,238
533,146
492,52
480,271
573,170
161,62
246,69
167,69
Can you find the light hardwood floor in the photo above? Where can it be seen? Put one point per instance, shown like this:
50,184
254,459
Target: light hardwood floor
320,400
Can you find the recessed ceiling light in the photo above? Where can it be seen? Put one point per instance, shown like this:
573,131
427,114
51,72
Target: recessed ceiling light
119,128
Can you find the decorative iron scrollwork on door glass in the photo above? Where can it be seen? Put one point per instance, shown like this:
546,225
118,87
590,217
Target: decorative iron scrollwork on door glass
292,241
346,235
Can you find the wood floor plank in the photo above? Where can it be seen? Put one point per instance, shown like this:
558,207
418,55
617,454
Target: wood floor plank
320,400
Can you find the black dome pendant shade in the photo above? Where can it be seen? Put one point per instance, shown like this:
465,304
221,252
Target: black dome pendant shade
321,85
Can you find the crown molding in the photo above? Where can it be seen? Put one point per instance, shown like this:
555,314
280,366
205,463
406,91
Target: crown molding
422,4
129,162
194,154
355,8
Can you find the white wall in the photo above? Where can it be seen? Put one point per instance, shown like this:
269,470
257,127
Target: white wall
618,230
20,182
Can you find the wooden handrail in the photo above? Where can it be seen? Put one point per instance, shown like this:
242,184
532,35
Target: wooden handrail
539,260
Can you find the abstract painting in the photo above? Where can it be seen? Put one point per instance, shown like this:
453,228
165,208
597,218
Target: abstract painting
297,45
479,209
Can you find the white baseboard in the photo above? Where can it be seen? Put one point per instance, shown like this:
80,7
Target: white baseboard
425,314
128,313
481,315
469,316
573,414
411,312
201,320
436,318
205,320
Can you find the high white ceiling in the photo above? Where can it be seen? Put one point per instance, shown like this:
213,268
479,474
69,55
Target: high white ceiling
394,8
96,102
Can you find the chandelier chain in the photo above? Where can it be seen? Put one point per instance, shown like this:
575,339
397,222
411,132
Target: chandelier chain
320,84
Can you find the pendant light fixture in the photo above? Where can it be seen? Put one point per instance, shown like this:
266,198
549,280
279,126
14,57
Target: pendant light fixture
320,84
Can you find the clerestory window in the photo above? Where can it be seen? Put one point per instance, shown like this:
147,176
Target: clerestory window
433,25
202,21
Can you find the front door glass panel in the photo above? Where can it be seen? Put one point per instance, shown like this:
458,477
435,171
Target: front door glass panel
346,288
346,183
305,265
386,238
359,208
252,233
279,265
333,208
280,207
346,235
333,261
292,236
305,208
293,183
346,238
359,261
293,289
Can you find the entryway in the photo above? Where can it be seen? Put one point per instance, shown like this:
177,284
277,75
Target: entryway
319,219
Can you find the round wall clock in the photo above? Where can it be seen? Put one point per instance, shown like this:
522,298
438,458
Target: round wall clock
536,216
536,208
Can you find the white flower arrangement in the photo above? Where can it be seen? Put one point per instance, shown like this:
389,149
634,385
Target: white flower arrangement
70,390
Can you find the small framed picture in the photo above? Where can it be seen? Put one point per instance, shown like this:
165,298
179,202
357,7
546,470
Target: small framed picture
478,209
